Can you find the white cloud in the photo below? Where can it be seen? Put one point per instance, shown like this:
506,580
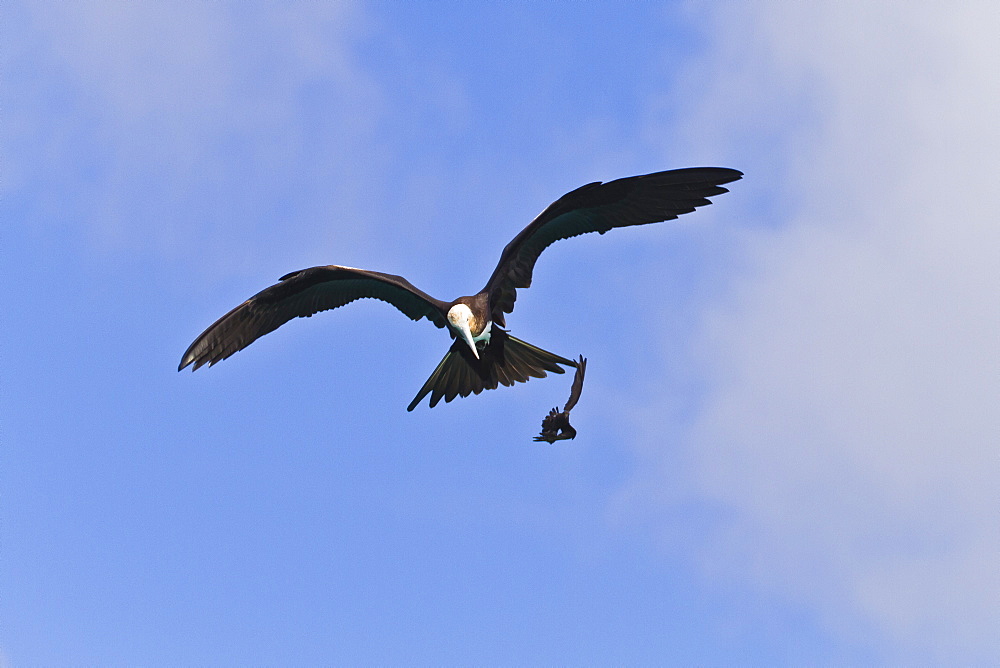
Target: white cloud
851,426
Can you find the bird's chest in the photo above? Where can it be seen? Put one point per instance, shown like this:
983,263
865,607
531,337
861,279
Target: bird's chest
483,338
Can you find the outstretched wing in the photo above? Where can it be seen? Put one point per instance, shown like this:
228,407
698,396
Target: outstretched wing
599,207
301,294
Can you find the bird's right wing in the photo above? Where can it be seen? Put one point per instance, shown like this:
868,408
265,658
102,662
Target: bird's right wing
301,294
599,207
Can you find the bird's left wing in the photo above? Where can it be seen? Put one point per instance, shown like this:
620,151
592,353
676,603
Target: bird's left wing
599,207
301,294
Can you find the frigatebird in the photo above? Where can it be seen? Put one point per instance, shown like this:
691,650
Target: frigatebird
555,425
483,355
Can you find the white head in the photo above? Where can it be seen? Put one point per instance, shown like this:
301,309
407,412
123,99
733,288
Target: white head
460,319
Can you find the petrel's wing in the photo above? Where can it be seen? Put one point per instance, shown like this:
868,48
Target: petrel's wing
599,207
574,393
301,294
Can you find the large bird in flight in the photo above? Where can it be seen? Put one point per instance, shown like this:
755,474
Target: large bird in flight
483,355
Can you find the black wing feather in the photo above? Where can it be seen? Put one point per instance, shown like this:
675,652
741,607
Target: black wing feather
599,207
302,294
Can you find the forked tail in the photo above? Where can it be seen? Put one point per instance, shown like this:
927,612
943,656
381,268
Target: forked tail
505,361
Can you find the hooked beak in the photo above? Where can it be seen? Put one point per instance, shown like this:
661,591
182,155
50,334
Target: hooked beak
466,333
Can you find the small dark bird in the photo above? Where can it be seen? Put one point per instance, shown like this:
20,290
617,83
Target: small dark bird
483,355
555,425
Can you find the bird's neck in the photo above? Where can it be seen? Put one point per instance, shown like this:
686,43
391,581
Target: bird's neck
483,334
479,316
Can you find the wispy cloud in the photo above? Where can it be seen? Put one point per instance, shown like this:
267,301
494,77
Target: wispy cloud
849,428
126,122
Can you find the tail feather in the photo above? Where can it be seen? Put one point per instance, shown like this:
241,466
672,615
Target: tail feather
528,363
433,382
506,360
502,376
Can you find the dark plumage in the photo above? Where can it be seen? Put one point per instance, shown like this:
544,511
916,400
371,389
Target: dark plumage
483,355
555,425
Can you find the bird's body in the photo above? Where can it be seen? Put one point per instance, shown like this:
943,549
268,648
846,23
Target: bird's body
483,354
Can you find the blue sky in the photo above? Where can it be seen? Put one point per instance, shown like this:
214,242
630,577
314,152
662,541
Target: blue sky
788,436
